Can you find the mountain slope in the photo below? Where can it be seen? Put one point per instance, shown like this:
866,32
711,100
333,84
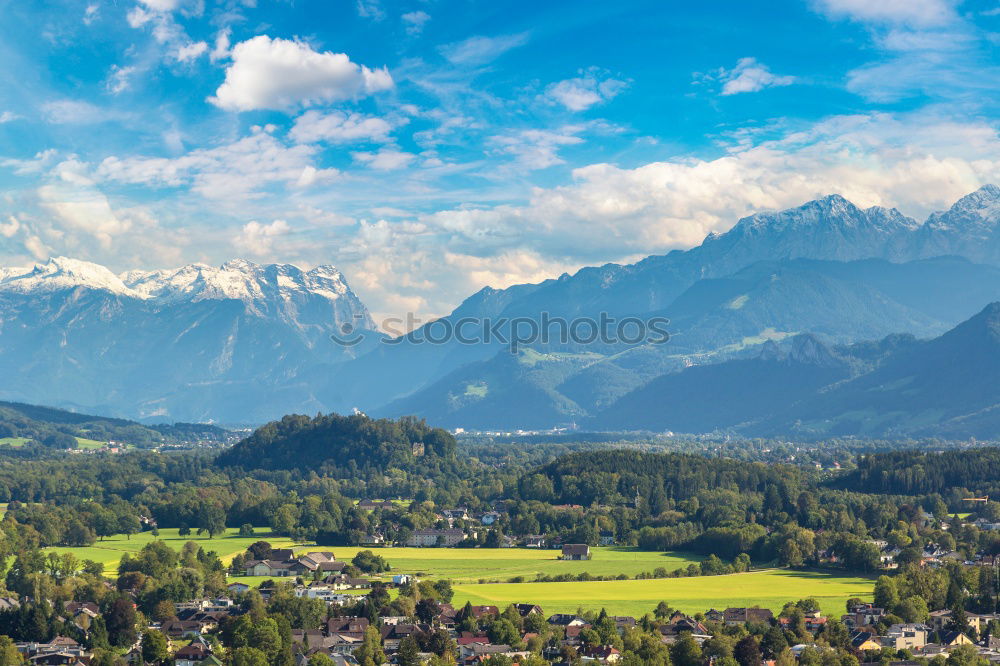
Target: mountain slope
947,385
238,343
830,228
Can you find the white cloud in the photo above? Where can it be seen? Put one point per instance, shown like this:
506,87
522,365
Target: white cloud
386,159
221,49
480,50
162,5
238,169
538,149
10,227
118,78
911,12
415,21
258,239
76,112
90,13
190,51
8,116
370,9
282,74
41,161
751,76
339,127
590,88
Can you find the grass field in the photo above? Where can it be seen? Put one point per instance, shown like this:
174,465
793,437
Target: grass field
769,588
500,564
14,441
82,442
110,551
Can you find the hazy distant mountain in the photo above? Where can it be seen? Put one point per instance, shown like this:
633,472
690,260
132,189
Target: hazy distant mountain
831,229
715,320
898,387
236,343
247,342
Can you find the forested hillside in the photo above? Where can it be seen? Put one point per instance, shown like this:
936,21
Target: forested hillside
341,445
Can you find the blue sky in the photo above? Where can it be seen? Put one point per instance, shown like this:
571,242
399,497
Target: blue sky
431,147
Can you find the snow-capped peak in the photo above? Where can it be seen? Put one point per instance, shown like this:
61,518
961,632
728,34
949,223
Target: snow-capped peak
60,273
978,211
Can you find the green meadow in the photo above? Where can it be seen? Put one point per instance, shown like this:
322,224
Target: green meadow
466,567
470,565
109,552
768,588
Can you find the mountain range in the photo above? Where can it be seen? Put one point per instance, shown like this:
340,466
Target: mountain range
235,343
247,343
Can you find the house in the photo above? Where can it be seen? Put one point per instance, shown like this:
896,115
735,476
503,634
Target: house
489,517
605,654
371,505
238,588
565,620
906,636
187,628
713,615
455,514
402,579
735,616
535,541
430,538
193,654
607,539
346,625
283,563
524,610
865,640
575,551
483,611
953,638
393,634
345,582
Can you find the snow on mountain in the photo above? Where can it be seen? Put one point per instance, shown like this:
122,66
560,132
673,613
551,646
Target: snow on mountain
237,279
61,273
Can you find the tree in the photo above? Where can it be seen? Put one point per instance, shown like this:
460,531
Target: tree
747,652
211,519
248,656
370,653
246,530
321,659
886,595
408,654
9,656
773,642
154,647
183,530
686,652
120,621
128,524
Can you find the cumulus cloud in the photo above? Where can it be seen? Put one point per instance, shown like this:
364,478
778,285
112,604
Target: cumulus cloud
385,159
538,149
258,239
750,76
237,169
479,50
415,21
590,88
912,12
339,127
282,74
